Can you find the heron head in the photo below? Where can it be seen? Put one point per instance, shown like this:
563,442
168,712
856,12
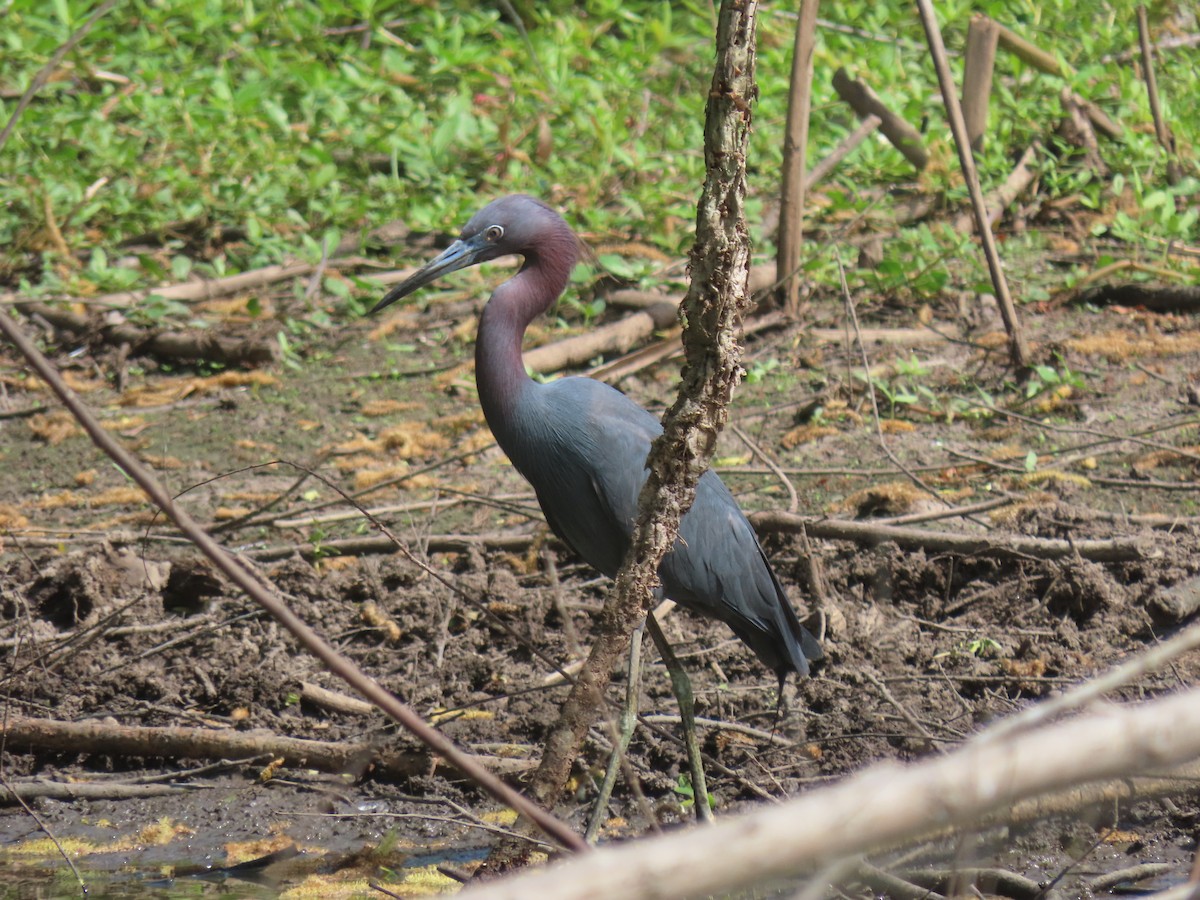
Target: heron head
517,224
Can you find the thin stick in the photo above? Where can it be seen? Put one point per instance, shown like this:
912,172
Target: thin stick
1144,663
15,794
1017,350
795,144
825,167
852,315
1163,132
1122,549
267,599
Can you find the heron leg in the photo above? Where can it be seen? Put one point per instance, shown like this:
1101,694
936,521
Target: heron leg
681,685
624,734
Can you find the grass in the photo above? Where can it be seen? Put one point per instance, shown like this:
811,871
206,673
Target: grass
240,135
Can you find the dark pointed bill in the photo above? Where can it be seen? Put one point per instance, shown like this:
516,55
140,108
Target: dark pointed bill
458,255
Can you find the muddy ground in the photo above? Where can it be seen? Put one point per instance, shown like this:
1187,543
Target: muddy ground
109,619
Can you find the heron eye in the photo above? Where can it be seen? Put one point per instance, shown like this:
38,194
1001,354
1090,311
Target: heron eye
493,233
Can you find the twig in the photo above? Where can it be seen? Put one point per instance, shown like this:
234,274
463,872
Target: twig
845,147
1142,664
900,708
1017,350
852,315
69,791
953,512
895,887
721,725
795,143
268,599
1103,884
1162,130
15,795
1121,549
1002,197
793,498
335,700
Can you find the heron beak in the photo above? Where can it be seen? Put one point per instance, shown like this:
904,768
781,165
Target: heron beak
458,255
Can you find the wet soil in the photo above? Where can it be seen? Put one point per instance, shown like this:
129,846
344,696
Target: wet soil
110,619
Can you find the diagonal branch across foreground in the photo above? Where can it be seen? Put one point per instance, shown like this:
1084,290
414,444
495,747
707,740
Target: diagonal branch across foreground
266,597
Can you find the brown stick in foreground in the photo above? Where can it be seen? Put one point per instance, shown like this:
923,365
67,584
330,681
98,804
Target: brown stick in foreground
269,600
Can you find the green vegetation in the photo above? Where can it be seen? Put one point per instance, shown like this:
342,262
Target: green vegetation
244,134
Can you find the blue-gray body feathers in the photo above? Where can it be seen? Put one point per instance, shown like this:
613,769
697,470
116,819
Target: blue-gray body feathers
582,445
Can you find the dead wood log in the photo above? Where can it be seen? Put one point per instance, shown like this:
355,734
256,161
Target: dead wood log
615,337
67,792
1178,298
866,102
1114,550
24,735
187,346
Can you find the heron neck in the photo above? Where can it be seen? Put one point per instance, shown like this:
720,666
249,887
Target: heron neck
499,368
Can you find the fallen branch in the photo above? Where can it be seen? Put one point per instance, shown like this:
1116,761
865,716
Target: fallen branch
70,791
825,167
615,337
886,805
22,734
1177,298
188,345
1124,549
866,102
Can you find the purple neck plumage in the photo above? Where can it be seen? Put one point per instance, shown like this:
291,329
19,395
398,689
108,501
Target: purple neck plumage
499,368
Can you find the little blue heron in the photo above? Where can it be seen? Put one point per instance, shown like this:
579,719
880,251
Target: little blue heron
583,444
